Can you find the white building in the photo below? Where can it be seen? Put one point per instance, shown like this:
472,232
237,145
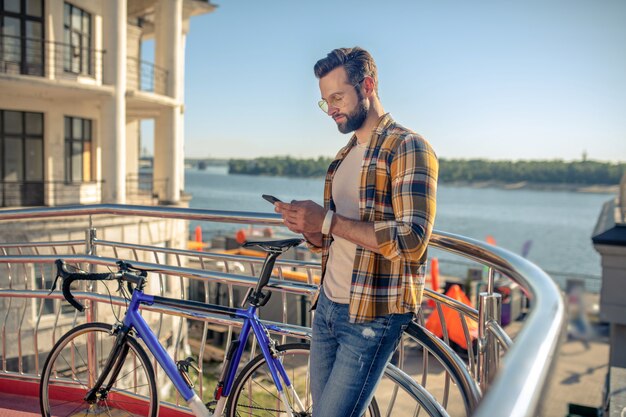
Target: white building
73,90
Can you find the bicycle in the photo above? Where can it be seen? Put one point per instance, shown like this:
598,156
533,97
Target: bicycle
102,368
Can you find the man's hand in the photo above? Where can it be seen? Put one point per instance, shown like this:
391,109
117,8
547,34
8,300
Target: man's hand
304,217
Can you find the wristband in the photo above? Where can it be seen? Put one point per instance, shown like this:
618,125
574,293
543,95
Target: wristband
328,220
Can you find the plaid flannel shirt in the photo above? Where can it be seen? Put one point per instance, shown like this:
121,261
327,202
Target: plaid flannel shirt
398,194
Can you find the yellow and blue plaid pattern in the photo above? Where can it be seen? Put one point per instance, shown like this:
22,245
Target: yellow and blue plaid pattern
398,193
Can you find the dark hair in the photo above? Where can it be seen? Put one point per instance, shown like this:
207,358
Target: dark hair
357,62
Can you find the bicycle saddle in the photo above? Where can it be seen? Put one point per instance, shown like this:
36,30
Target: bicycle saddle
274,245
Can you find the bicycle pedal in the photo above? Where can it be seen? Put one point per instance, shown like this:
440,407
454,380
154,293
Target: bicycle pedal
188,363
183,367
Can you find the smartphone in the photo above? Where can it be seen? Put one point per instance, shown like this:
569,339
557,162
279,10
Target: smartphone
271,198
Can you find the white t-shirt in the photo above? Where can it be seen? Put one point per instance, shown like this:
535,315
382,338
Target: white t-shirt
345,193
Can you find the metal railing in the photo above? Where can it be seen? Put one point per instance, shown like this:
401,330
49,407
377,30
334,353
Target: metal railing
40,57
146,76
512,386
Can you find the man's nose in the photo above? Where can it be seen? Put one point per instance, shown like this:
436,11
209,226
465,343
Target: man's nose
332,110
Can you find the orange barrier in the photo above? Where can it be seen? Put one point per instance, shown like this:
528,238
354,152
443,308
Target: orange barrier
453,319
434,279
197,243
434,274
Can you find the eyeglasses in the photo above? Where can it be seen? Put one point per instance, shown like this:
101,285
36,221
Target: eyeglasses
335,100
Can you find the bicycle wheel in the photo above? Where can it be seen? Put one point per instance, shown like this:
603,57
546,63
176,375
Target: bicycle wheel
440,355
254,392
76,361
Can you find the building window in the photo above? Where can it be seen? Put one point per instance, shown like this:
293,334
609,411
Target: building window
21,39
77,34
78,149
21,158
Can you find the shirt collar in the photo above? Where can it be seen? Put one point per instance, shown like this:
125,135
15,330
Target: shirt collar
383,123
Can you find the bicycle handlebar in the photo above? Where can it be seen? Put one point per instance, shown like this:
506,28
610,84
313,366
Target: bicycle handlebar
69,277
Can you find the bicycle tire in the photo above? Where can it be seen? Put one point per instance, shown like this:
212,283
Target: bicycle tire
453,365
66,377
241,404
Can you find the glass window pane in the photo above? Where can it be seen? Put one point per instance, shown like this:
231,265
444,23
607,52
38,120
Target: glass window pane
76,52
84,62
11,26
87,129
77,128
77,161
87,161
76,18
12,6
34,48
66,15
86,24
68,128
11,41
34,124
68,160
34,51
33,30
13,160
34,160
67,56
33,7
13,122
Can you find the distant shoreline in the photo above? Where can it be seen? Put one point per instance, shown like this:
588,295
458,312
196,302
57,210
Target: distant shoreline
522,185
525,185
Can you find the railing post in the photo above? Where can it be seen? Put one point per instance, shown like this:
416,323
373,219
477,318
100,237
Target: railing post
489,310
90,249
90,311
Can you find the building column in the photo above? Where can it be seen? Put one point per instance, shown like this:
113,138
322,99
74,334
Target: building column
168,153
181,127
113,123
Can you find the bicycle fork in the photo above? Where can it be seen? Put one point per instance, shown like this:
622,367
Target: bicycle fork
112,367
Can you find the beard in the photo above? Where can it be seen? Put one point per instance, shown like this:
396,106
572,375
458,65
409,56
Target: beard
355,119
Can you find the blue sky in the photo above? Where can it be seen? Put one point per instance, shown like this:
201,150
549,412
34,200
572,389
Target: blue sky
479,79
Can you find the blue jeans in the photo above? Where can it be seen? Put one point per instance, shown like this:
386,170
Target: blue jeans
348,359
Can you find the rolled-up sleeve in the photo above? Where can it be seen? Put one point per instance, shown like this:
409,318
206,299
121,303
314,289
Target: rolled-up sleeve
414,170
312,246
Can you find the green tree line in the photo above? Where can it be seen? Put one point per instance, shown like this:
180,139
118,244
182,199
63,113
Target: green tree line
456,170
284,166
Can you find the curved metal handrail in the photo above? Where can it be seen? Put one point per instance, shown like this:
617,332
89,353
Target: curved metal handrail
518,387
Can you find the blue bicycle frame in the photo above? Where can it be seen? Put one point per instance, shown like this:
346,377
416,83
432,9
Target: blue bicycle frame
134,320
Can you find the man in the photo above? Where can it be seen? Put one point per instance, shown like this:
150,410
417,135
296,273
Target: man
378,214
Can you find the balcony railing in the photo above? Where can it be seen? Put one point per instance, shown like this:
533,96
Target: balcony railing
514,389
145,76
44,58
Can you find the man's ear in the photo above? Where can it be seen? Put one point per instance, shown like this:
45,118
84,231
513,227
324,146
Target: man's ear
368,86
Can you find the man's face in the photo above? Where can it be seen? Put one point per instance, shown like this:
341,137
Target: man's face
346,104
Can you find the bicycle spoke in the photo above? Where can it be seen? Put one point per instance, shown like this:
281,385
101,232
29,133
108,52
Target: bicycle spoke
73,373
71,413
126,374
132,392
118,408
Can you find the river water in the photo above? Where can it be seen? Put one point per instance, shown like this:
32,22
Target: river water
558,224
